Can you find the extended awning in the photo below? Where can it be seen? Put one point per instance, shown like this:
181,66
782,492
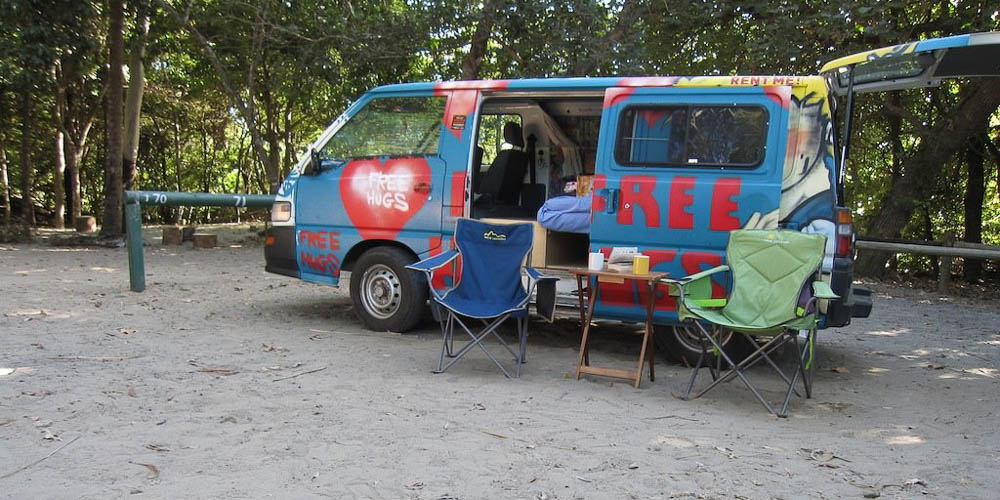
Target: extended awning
916,64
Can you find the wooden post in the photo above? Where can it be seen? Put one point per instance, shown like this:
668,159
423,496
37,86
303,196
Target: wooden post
85,224
172,235
944,267
205,240
188,233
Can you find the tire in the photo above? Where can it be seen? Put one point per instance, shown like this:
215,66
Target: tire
680,344
386,295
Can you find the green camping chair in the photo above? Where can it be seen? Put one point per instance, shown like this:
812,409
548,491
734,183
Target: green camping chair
776,283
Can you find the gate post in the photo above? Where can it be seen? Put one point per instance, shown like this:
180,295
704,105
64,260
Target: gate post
133,238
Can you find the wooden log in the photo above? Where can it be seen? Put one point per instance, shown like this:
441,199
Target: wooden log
172,235
188,233
85,224
205,240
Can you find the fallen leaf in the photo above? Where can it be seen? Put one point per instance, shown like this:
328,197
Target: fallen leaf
581,478
153,471
157,447
932,366
478,406
126,331
838,369
131,391
415,486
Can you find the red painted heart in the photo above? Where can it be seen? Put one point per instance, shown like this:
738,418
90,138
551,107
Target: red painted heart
380,197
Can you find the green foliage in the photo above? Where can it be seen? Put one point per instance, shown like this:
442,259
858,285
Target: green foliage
299,64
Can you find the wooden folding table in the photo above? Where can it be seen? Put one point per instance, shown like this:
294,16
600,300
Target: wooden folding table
651,280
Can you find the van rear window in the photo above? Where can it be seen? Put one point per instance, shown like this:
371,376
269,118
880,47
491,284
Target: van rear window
390,126
727,136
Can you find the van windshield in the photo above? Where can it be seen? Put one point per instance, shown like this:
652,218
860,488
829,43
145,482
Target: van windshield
390,126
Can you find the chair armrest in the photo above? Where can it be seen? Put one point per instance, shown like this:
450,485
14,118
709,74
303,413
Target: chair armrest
536,275
822,290
695,291
697,276
431,263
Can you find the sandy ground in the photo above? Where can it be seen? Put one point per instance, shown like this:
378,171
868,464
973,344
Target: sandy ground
185,391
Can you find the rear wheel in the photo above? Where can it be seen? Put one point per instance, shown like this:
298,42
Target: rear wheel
386,295
680,343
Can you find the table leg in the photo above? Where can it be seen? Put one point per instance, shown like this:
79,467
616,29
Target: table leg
645,336
584,358
652,331
583,313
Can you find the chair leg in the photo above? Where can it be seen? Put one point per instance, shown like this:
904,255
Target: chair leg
807,368
522,324
800,369
701,357
764,351
737,368
477,341
445,334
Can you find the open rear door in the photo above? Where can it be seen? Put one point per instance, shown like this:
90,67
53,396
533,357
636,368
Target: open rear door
916,64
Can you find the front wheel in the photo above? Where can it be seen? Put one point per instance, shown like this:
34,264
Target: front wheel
680,343
386,295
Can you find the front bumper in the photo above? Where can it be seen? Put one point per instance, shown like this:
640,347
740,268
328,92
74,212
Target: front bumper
279,251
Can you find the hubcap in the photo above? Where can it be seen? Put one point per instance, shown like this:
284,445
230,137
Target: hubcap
380,291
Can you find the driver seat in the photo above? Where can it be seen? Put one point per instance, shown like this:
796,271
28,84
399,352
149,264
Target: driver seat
502,182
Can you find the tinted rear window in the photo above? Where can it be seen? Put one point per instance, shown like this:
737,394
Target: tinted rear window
729,136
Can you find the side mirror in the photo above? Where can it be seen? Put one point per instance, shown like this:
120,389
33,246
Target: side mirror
313,165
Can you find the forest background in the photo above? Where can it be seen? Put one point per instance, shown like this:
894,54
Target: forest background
223,95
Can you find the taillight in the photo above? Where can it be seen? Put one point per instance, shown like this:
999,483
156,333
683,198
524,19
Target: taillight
845,232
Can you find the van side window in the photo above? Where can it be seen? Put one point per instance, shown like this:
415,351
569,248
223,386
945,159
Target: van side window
390,126
728,136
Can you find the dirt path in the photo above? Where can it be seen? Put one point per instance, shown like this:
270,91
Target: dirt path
184,391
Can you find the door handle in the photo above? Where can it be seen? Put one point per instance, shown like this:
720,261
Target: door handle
610,199
422,188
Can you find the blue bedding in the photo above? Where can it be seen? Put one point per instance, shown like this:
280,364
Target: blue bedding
569,214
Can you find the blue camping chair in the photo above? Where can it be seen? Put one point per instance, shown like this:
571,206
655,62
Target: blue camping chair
489,288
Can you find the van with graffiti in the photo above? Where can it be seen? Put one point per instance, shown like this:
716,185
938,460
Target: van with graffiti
666,165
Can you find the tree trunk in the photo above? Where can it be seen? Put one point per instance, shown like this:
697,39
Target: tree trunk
480,39
74,156
4,185
27,202
59,217
941,142
112,224
133,99
975,193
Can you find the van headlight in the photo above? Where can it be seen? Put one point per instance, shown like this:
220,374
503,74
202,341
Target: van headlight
281,211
